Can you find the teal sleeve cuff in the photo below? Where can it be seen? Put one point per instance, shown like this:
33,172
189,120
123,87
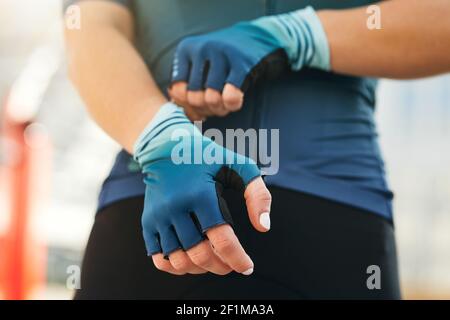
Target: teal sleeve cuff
162,115
302,36
320,58
168,118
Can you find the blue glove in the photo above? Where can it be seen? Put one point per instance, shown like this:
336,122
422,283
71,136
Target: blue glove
240,54
185,174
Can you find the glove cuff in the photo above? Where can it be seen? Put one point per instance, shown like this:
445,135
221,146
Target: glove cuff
156,131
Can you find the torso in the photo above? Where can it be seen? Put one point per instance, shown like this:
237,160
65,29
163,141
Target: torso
328,140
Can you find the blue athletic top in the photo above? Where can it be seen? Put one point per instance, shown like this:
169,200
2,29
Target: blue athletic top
328,140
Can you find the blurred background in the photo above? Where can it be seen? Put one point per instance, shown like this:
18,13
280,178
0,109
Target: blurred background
53,160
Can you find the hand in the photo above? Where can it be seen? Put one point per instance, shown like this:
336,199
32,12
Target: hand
185,217
200,105
211,72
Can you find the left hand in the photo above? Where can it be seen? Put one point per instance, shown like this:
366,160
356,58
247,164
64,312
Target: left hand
185,216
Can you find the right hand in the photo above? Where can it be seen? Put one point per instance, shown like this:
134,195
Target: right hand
185,217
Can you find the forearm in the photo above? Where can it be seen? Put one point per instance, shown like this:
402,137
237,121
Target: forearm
111,77
413,42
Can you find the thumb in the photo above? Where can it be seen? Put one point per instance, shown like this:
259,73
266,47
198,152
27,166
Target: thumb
258,200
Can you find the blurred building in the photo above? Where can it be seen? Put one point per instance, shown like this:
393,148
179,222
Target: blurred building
414,125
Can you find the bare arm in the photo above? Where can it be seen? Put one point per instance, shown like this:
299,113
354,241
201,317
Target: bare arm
122,98
110,75
413,42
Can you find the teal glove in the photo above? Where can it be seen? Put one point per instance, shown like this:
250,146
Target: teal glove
183,197
241,53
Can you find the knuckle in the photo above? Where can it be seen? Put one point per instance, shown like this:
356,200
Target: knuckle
180,263
213,100
194,100
265,195
201,258
232,102
160,266
179,92
224,245
258,192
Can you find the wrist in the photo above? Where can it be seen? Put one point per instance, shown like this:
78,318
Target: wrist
136,119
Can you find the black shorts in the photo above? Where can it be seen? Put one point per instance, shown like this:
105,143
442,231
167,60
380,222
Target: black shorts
316,249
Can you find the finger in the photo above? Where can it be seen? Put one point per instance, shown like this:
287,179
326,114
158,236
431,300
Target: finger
258,200
151,242
164,265
213,100
203,256
193,114
233,97
169,241
178,92
197,74
212,216
218,72
181,64
239,75
228,247
181,262
196,99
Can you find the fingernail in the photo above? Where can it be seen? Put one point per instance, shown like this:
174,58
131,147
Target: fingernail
248,272
264,220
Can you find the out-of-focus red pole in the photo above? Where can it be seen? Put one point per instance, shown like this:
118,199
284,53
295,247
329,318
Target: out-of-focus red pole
24,172
23,254
20,204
